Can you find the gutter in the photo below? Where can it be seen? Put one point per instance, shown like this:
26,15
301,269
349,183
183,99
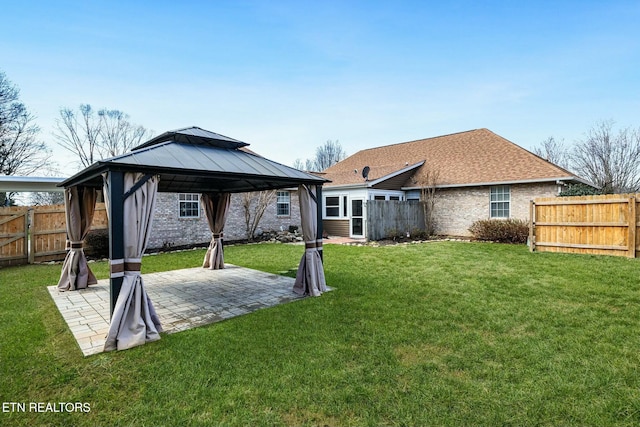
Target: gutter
557,180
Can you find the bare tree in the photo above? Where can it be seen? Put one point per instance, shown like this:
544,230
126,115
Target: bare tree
118,134
328,154
307,165
254,204
554,151
20,151
428,185
97,135
47,198
609,160
79,133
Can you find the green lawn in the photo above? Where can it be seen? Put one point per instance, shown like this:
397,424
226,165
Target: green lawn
443,333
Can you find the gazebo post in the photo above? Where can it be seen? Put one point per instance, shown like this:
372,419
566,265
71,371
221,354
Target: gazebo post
319,213
116,236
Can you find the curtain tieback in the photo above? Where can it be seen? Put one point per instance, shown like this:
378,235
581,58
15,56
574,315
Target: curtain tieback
316,244
121,266
217,235
74,245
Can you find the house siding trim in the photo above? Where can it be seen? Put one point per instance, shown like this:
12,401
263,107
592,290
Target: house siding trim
336,227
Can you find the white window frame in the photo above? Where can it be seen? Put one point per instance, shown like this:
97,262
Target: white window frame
333,206
184,198
343,206
283,200
386,195
500,201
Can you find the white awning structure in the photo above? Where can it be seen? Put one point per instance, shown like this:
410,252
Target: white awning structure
17,184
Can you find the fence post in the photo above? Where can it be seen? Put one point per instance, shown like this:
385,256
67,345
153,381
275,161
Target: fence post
632,227
29,236
532,211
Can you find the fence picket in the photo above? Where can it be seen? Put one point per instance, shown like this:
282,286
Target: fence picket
47,234
13,235
601,225
385,218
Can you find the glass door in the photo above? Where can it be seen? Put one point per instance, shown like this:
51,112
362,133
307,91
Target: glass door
357,218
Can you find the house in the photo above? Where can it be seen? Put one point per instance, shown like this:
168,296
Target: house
476,174
180,220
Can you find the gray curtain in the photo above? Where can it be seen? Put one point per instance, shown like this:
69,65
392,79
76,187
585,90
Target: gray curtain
134,320
310,276
79,206
216,207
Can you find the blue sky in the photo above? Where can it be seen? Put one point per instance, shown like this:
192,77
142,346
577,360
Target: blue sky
285,76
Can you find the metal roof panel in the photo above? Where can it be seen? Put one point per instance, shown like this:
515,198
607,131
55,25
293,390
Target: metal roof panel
196,136
197,167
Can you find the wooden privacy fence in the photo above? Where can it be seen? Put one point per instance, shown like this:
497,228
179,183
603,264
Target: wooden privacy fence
601,225
391,217
38,233
14,222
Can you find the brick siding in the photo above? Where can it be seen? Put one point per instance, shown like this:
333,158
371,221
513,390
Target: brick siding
169,230
457,208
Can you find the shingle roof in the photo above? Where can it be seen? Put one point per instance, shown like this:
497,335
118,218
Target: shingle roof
473,157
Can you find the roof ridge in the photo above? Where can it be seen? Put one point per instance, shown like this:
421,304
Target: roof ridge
539,157
184,128
425,139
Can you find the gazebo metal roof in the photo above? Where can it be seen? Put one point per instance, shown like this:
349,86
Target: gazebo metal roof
196,160
195,135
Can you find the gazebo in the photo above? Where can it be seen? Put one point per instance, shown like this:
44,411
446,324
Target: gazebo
190,160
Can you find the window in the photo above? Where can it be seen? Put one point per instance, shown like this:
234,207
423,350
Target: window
500,200
189,205
332,206
385,196
412,195
283,203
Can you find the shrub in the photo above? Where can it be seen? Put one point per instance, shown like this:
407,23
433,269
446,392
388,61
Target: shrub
97,244
417,233
501,230
579,190
393,233
414,234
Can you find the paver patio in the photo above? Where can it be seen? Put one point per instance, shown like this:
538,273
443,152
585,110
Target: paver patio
183,299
